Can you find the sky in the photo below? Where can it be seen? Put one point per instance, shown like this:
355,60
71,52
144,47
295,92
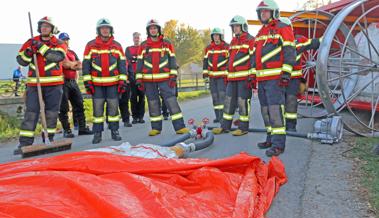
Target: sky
78,18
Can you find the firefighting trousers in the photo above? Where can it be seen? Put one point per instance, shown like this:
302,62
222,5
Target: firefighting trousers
218,88
124,105
137,101
237,95
52,98
272,97
153,90
291,104
102,95
72,94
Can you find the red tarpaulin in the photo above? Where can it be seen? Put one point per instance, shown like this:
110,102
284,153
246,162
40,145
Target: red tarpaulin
97,184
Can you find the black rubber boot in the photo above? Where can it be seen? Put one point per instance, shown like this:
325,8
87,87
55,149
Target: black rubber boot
127,124
116,135
85,131
274,151
96,138
264,145
68,134
140,120
135,121
216,121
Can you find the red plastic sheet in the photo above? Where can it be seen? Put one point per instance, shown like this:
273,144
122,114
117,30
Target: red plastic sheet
95,184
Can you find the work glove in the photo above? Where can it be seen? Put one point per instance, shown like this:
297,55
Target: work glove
140,85
172,82
205,76
252,82
36,45
122,86
89,87
284,79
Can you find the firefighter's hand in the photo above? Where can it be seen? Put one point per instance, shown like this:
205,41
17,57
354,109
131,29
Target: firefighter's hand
36,44
172,82
140,85
205,76
29,52
89,88
122,87
77,65
284,79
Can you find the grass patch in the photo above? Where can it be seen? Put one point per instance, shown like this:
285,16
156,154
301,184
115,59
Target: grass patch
9,127
369,166
182,96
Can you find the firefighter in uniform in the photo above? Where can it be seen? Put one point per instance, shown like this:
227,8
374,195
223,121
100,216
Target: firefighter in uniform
297,81
137,98
105,78
239,80
156,74
274,59
214,67
50,53
71,92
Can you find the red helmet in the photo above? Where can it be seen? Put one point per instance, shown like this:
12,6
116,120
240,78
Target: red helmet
49,21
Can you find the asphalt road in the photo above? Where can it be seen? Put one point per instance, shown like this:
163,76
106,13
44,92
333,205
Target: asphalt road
298,198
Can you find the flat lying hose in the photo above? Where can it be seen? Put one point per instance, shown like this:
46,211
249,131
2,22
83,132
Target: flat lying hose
206,142
175,141
294,134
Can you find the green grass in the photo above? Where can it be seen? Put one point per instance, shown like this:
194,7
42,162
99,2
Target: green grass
369,166
9,127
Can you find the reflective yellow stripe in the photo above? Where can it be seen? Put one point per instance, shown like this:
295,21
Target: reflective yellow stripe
283,114
155,76
43,49
87,78
49,66
241,60
269,72
98,68
113,66
210,63
98,119
113,118
218,73
244,118
174,72
289,43
163,64
298,57
239,46
304,43
251,52
24,57
51,130
158,50
139,75
177,116
217,51
59,49
253,71
265,37
222,63
278,131
49,79
238,74
269,129
123,77
287,68
105,79
271,54
26,133
149,65
95,51
156,119
219,107
292,116
227,116
297,73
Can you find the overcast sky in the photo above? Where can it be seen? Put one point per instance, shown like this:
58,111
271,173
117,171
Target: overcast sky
78,18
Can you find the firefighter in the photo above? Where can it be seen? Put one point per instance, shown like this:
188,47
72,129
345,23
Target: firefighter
239,83
274,58
214,67
105,78
156,74
137,99
297,81
50,53
71,92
